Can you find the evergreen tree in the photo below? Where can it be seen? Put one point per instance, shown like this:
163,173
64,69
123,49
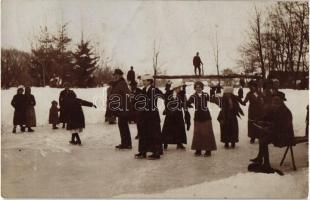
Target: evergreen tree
85,63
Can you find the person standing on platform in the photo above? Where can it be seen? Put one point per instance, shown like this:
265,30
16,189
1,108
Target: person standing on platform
131,76
197,64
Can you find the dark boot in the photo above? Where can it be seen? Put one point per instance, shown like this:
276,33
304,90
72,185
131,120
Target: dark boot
22,129
140,155
14,130
78,140
180,146
154,156
54,126
226,145
252,141
72,141
165,146
30,129
207,154
198,153
63,125
233,145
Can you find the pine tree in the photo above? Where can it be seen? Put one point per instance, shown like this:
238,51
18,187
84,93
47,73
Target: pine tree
85,63
63,57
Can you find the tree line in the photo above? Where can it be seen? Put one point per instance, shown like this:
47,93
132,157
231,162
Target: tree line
278,41
51,62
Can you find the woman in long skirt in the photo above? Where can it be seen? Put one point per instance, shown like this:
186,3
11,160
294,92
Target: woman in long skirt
30,102
203,137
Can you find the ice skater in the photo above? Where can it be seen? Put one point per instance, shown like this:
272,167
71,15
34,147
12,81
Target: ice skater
30,102
203,136
76,119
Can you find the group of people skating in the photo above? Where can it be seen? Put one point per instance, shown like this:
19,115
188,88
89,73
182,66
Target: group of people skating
269,120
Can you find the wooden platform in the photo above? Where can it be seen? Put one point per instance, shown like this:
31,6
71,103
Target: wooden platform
207,76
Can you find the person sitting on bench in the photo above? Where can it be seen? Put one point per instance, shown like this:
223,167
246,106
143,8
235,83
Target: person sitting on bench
277,128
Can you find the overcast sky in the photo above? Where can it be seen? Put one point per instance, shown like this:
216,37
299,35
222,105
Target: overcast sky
126,31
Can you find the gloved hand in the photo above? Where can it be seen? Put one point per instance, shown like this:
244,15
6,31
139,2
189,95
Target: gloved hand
94,106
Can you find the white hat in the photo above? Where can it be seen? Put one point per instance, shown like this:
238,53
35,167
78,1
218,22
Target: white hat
176,84
147,77
20,87
228,89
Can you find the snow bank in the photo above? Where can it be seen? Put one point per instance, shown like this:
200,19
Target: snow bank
247,185
297,101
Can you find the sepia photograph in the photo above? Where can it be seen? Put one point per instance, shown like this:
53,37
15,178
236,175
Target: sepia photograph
154,99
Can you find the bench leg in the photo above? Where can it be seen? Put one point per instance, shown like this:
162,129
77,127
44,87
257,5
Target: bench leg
293,160
284,156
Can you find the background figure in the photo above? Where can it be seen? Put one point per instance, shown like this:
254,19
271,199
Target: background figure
240,91
109,117
203,136
131,76
174,127
230,109
135,114
255,110
197,63
120,89
307,121
53,115
18,102
30,102
64,96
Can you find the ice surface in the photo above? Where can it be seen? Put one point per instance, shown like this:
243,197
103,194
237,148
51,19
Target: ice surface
43,164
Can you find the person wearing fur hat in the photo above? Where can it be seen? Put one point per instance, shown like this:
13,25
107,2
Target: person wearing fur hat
30,102
19,104
203,136
174,126
76,119
121,93
230,110
255,110
150,138
63,103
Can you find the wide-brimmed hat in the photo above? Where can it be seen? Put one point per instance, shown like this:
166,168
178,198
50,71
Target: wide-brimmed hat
147,77
118,71
176,84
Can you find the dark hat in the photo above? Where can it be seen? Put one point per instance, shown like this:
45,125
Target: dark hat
54,102
118,71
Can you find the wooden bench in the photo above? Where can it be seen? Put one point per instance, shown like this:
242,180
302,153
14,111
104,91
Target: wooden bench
297,140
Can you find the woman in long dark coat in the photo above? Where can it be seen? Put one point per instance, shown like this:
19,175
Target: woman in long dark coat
150,138
76,119
30,102
203,137
255,110
18,102
230,110
174,127
63,103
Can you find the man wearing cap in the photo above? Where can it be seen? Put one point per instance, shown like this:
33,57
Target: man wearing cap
118,103
150,137
276,129
64,96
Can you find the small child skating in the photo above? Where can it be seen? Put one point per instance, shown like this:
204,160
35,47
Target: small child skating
76,119
53,116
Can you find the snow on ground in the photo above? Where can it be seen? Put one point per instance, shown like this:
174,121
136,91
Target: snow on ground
43,164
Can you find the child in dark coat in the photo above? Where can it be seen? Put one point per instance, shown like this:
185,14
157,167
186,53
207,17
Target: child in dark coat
53,116
76,119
